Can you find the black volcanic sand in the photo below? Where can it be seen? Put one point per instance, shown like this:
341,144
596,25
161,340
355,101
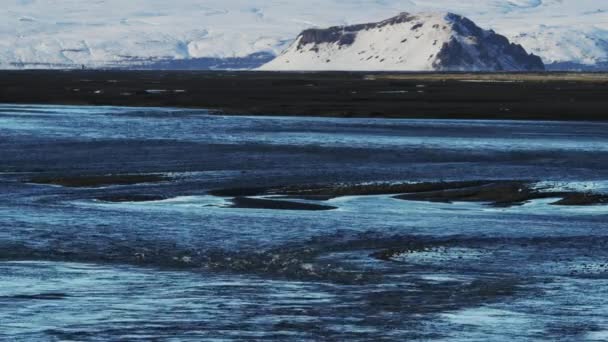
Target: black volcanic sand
551,96
257,203
99,181
329,191
582,199
495,193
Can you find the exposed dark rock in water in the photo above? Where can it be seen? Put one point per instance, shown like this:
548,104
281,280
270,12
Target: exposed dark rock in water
307,197
130,198
582,199
499,193
341,190
100,181
329,191
504,194
256,203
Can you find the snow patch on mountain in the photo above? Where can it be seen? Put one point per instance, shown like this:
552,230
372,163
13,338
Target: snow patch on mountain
408,42
557,44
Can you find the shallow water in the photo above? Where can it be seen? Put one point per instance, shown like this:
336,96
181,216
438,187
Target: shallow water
191,268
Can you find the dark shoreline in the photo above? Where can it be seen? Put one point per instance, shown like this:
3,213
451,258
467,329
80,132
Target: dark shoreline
497,193
547,96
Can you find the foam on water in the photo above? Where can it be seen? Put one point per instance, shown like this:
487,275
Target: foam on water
597,336
488,318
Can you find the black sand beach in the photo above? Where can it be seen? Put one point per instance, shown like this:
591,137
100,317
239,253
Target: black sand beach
550,96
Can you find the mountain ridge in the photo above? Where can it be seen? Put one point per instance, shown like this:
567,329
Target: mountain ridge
431,41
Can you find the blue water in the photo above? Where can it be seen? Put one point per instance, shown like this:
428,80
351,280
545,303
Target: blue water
189,267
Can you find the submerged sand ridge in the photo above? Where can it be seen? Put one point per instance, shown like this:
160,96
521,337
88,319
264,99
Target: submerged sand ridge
495,193
498,193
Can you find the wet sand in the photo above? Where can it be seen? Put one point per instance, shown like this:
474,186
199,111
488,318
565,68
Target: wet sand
551,96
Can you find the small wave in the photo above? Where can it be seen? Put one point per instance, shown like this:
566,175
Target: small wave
356,259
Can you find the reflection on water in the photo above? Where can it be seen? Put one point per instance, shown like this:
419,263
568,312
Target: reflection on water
189,267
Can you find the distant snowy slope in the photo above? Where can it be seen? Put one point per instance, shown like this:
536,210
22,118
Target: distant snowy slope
68,33
408,42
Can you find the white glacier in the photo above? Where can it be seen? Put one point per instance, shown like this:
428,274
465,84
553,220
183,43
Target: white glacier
69,33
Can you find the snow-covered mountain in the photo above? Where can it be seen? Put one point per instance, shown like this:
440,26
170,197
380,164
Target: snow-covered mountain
100,33
407,42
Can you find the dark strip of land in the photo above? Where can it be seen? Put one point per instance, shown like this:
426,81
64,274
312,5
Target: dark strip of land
551,96
259,203
99,181
498,193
